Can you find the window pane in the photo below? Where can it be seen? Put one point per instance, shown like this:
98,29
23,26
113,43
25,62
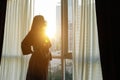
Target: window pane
70,27
55,72
68,69
56,43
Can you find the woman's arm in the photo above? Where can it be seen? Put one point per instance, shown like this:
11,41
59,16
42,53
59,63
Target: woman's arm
26,45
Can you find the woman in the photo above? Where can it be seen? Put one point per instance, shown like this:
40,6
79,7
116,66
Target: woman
38,44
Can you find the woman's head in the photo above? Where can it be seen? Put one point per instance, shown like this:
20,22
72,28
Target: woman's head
38,22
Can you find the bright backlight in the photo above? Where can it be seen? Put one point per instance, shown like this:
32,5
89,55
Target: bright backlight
47,8
50,31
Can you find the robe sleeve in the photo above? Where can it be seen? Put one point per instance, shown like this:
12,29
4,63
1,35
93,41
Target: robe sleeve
26,45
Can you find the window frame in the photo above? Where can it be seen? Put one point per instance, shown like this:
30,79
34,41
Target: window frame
64,37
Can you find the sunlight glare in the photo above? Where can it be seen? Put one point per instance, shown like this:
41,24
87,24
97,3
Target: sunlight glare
47,8
50,32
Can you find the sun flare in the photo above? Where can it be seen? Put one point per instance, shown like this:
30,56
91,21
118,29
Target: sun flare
49,13
50,32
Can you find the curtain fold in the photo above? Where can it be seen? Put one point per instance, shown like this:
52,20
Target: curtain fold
86,59
2,23
108,16
19,14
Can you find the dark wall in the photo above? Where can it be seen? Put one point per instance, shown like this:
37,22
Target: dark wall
2,23
108,21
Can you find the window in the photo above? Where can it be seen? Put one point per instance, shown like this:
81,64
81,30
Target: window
58,15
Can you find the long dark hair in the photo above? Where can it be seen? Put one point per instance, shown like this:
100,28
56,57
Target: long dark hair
38,22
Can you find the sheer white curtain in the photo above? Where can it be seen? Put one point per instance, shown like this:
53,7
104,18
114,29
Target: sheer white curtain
18,20
86,59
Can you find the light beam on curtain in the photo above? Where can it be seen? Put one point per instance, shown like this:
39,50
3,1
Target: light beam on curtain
86,59
18,20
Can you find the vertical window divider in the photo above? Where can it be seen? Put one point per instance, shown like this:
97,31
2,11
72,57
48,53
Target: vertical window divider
64,33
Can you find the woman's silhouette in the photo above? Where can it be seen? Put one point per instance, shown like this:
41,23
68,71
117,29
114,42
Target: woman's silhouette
37,44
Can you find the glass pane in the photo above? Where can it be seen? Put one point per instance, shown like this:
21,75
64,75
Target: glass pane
70,27
68,69
55,72
56,48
